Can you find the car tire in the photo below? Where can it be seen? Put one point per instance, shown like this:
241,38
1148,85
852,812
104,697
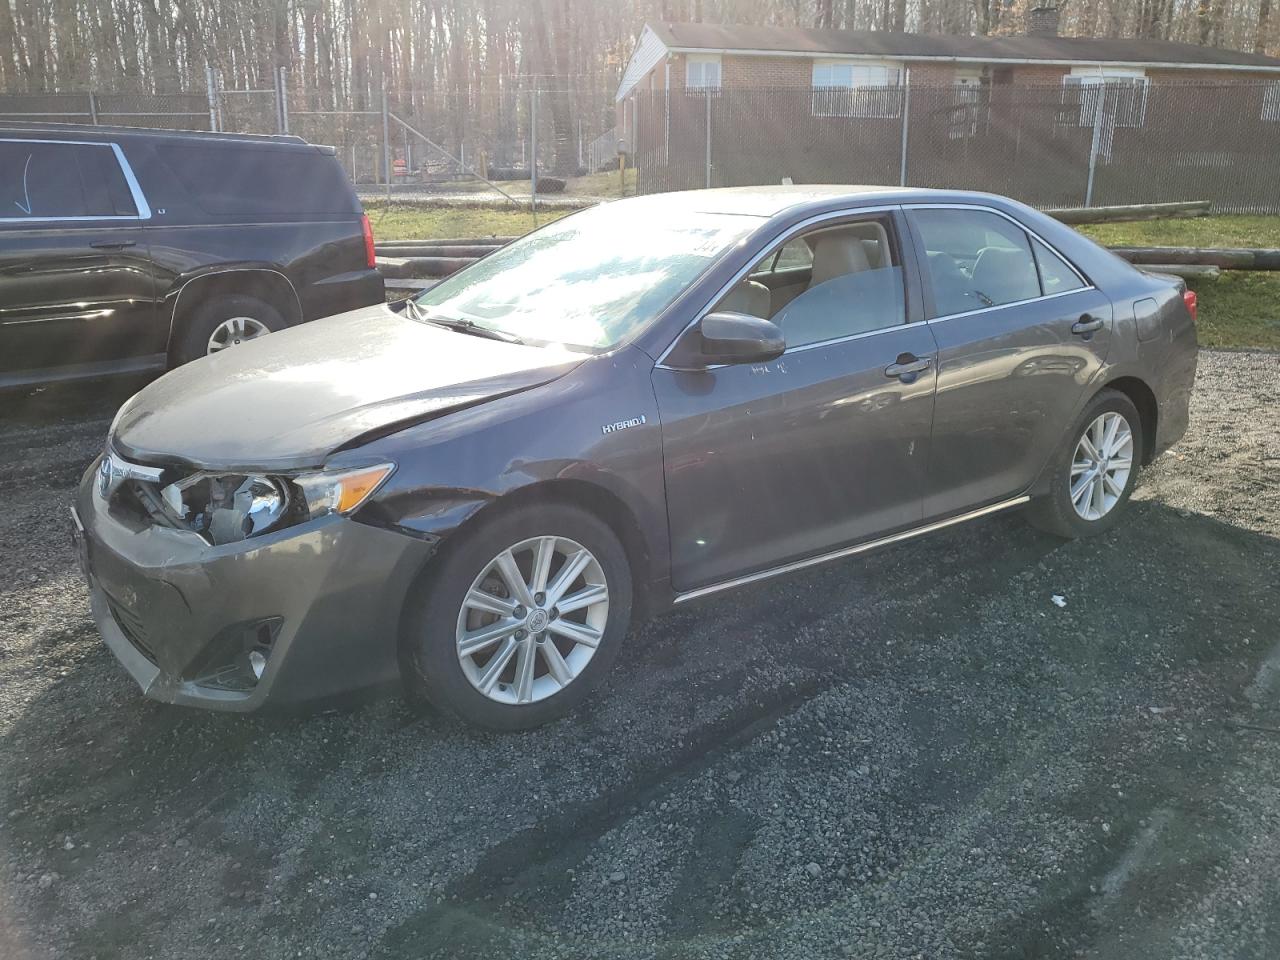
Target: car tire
441,617
234,318
1086,494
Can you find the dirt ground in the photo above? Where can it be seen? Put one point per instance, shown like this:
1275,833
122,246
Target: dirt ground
914,754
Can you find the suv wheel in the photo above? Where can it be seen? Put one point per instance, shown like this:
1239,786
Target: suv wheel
1094,472
520,620
226,321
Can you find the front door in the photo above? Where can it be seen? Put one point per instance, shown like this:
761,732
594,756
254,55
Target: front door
77,289
825,446
1020,336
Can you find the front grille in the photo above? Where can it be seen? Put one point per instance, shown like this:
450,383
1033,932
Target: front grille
132,627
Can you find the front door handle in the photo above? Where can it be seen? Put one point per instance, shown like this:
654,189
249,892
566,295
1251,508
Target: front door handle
112,244
1086,325
907,367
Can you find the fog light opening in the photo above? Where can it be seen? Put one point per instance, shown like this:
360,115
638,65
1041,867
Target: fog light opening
257,663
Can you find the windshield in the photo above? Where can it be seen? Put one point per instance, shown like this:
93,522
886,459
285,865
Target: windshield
591,280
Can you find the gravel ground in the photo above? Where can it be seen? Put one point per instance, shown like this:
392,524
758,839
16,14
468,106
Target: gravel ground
917,754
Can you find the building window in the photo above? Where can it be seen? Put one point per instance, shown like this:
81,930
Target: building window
966,105
1120,94
1271,102
842,88
702,74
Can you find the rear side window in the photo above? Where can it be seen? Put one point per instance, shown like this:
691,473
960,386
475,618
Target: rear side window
63,180
1056,276
236,180
975,260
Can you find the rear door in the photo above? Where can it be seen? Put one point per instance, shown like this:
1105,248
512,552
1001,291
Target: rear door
1020,334
77,292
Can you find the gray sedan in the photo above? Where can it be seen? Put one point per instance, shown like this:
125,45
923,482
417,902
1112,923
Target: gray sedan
475,492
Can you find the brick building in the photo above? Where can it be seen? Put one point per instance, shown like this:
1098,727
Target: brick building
850,71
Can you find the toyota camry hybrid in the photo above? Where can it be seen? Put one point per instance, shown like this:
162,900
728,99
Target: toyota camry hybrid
474,492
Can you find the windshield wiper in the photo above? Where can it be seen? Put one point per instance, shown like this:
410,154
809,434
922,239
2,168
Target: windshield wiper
460,325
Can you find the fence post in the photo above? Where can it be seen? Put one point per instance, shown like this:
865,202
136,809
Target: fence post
533,152
906,116
707,94
1098,106
282,101
386,146
93,108
211,87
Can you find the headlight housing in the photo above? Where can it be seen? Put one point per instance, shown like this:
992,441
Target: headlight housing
230,507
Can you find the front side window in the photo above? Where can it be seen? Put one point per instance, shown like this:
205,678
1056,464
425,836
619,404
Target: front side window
849,280
843,88
975,260
588,281
702,74
61,180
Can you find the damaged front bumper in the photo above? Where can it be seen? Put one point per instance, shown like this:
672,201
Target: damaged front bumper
303,613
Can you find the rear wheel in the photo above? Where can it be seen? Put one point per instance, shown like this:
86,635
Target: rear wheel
1094,472
521,619
223,322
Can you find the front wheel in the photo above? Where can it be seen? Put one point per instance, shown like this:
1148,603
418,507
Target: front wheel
520,620
1094,472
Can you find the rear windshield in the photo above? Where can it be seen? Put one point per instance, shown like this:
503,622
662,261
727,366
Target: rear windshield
236,180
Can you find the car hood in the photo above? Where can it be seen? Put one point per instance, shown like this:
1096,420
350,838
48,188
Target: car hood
290,399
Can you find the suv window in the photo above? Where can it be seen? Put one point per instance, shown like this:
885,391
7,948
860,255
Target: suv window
258,179
40,179
975,260
852,283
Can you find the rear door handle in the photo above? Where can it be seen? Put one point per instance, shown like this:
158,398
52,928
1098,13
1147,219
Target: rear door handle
112,244
907,367
1086,325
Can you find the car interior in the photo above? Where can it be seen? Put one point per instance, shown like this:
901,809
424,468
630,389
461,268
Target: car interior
829,283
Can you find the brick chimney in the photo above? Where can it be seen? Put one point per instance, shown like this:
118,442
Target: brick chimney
1042,22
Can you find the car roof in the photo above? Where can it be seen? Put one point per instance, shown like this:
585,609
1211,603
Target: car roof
89,131
770,201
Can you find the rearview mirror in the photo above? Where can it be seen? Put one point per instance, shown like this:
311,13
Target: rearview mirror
738,338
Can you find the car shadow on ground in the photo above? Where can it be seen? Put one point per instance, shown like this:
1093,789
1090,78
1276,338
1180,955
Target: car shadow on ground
915,750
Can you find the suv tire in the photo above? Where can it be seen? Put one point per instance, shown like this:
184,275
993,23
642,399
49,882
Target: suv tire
220,315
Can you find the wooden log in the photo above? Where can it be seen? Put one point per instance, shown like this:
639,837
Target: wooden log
1187,271
1131,212
456,241
411,285
471,251
397,267
1228,258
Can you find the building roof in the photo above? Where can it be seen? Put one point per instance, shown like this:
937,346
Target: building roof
727,38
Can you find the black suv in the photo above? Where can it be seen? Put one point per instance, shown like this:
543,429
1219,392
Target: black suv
125,250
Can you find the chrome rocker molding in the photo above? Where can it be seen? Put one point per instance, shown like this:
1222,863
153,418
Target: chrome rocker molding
849,551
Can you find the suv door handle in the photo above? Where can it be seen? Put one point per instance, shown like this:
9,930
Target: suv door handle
907,367
1086,325
112,244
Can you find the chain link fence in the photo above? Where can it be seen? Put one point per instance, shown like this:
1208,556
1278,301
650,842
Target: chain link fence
1051,146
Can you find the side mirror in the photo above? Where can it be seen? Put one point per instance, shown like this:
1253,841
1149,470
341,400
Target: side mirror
738,338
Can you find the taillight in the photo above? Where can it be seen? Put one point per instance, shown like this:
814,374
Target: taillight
1189,298
370,254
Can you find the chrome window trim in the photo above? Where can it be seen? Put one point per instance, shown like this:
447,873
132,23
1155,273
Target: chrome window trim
135,189
780,238
848,551
980,208
853,336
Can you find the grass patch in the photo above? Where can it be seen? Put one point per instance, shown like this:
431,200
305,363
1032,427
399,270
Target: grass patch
1240,308
404,222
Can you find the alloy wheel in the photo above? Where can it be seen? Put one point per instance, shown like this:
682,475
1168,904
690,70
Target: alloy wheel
235,330
1101,465
532,620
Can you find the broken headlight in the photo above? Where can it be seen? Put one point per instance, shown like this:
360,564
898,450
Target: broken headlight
227,508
